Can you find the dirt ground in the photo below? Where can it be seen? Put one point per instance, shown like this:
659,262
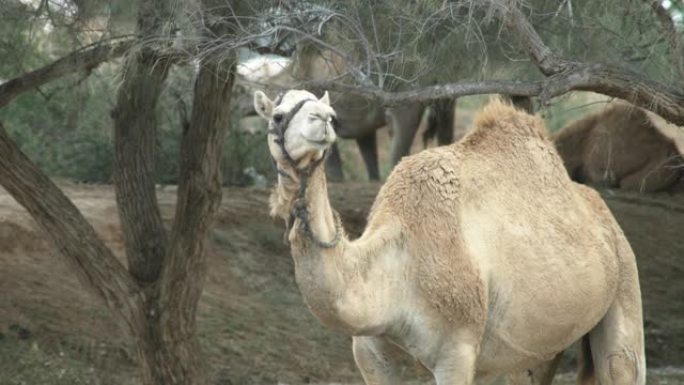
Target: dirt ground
253,324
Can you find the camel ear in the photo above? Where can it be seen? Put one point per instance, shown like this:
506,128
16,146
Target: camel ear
263,105
325,98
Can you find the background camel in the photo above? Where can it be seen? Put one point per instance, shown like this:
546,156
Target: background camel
359,118
479,259
623,146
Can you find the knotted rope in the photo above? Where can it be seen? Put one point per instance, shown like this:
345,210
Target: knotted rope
300,209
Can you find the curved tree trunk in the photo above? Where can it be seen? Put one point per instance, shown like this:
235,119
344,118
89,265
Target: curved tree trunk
156,300
170,267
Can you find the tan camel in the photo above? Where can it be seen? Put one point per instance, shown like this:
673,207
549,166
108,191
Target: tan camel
479,259
622,146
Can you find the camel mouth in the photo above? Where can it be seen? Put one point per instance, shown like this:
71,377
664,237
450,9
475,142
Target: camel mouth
320,144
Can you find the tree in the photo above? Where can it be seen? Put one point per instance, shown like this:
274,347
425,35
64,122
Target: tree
415,52
420,51
156,299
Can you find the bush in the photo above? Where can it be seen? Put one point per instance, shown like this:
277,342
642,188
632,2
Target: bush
86,157
246,159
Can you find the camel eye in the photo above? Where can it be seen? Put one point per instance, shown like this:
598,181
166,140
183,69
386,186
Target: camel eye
277,118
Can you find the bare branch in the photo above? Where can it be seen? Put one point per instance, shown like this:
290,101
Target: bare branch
542,56
566,75
82,60
69,231
664,100
451,90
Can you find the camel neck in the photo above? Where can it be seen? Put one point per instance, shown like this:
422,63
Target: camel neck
321,221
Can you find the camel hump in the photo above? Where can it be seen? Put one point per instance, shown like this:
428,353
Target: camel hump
503,118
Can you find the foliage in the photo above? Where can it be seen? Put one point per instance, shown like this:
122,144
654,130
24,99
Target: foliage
67,130
65,127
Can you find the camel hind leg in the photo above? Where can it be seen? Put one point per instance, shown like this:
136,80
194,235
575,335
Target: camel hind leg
405,121
369,152
617,342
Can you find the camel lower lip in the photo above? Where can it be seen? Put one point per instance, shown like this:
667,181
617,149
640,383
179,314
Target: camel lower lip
321,143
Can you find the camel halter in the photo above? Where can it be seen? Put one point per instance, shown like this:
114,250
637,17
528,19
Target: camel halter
301,208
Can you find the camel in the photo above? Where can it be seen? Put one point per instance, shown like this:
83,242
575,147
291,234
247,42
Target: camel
359,118
441,119
622,146
479,259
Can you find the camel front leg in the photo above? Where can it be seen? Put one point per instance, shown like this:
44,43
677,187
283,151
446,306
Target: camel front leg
377,359
541,375
456,366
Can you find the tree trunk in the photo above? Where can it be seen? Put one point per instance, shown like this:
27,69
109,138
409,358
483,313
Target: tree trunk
168,356
135,134
171,268
73,237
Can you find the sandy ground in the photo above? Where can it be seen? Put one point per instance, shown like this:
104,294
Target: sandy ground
253,325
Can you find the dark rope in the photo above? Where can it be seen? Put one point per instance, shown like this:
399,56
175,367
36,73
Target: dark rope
300,209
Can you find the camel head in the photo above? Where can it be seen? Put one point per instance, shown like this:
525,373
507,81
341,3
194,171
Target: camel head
300,126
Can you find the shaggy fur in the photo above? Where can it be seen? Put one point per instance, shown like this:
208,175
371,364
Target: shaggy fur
621,146
479,259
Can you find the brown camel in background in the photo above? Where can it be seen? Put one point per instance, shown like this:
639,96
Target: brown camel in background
623,146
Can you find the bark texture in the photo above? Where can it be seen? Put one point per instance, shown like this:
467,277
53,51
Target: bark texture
135,134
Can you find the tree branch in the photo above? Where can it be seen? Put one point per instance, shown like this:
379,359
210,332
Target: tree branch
199,192
199,188
542,56
665,101
425,94
69,231
82,60
565,75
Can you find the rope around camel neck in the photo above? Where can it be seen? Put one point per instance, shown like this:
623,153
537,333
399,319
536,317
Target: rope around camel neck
300,208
